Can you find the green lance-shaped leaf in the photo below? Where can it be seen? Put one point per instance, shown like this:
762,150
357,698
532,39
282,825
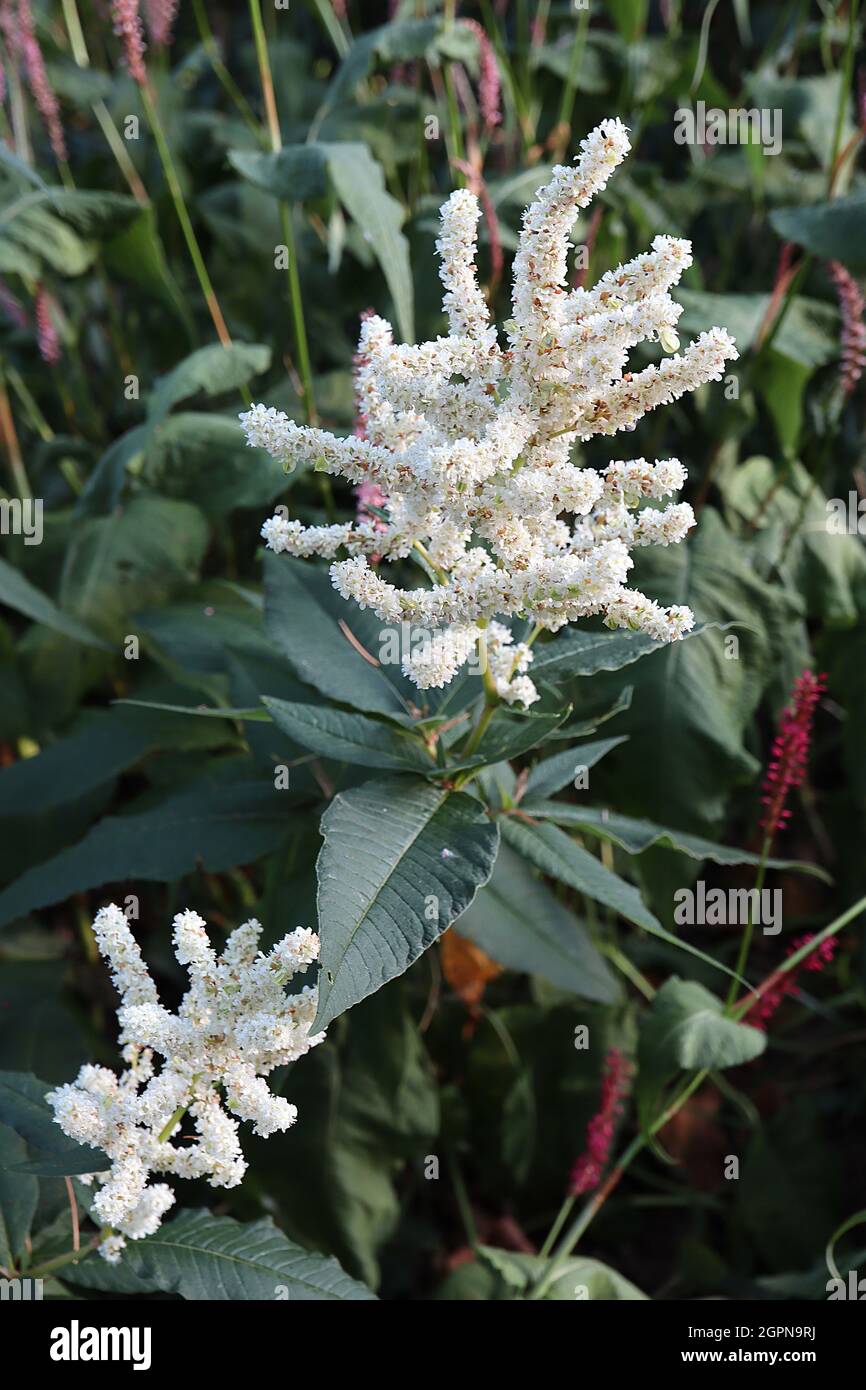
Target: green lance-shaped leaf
551,775
95,752
397,42
556,854
510,735
19,1194
201,457
213,1258
18,593
635,835
401,860
215,823
518,921
581,653
300,172
323,639
692,707
808,334
360,185
349,738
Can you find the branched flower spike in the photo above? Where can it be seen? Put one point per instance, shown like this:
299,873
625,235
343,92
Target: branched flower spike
234,1025
470,443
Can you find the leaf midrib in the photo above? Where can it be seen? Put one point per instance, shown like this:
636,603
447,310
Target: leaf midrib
442,798
156,1242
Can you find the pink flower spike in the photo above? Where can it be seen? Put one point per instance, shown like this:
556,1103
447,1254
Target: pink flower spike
46,332
37,79
852,356
789,757
767,1003
128,28
586,1173
160,16
489,86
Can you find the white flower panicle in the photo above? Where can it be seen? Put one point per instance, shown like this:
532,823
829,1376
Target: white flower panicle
471,444
235,1024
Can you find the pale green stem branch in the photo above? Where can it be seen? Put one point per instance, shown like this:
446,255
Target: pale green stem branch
297,305
183,217
594,1205
166,1131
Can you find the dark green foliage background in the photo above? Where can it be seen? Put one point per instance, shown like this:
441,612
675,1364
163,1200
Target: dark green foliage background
152,510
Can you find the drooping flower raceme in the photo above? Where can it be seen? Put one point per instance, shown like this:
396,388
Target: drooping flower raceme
471,442
234,1025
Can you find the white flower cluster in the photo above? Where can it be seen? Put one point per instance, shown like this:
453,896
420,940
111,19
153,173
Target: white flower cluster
234,1025
471,442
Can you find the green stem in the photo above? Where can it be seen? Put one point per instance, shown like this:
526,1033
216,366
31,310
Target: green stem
166,1131
590,1210
491,705
844,91
183,217
10,441
35,417
553,1233
746,940
454,128
72,1257
78,44
522,63
629,969
492,702
332,26
76,34
796,957
115,143
298,322
422,550
297,305
221,72
480,728
267,81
